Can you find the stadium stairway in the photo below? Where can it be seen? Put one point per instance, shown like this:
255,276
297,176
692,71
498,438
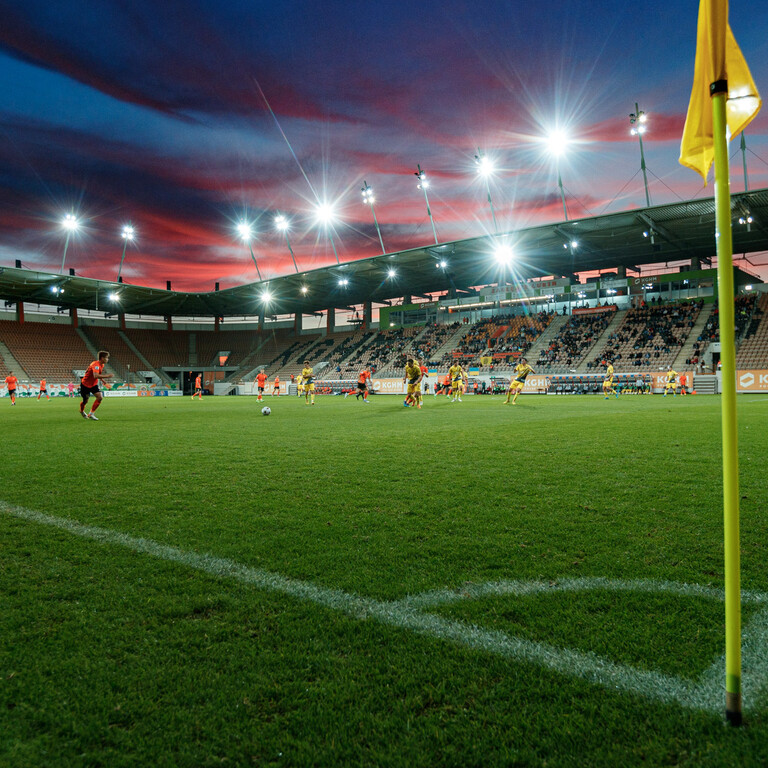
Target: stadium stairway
543,341
601,340
686,351
162,375
113,367
450,343
11,363
356,350
390,369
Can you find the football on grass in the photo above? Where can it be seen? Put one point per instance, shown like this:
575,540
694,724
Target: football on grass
266,410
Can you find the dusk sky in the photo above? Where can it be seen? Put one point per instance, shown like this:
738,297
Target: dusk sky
156,113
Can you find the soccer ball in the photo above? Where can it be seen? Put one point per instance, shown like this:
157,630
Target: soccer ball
266,410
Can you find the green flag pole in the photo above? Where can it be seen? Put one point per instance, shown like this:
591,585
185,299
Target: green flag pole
725,293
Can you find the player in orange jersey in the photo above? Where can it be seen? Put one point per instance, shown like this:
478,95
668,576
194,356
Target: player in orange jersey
89,384
261,382
43,390
362,385
683,379
11,382
198,387
276,386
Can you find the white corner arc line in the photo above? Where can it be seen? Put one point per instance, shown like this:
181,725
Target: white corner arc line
408,614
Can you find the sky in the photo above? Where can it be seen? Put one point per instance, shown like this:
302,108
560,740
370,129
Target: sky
186,118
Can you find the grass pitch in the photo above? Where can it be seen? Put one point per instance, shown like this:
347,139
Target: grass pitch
349,584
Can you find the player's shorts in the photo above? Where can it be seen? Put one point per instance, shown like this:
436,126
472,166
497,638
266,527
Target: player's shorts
43,391
261,389
672,384
361,386
88,391
309,387
456,383
413,388
607,383
517,384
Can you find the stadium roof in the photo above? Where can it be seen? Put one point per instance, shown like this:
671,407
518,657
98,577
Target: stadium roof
673,232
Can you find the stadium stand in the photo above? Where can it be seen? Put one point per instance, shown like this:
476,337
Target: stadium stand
239,344
574,342
47,350
753,351
161,347
121,357
649,337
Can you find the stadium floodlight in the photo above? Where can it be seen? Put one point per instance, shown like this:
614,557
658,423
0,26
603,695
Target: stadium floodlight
391,273
574,244
504,253
747,287
304,289
369,199
343,282
128,234
443,264
113,296
422,185
70,224
283,225
245,231
486,168
58,290
266,297
326,215
637,120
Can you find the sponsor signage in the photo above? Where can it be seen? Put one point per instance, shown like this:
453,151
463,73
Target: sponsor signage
752,381
617,282
594,310
389,386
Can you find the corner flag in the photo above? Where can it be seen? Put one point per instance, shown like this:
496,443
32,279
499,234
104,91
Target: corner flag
721,73
718,58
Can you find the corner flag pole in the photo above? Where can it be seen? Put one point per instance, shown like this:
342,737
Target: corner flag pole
725,297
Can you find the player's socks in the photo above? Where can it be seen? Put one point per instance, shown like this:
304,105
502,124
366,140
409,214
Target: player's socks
95,405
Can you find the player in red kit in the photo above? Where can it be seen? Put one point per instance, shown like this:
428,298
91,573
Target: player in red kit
43,389
89,384
11,382
261,382
198,387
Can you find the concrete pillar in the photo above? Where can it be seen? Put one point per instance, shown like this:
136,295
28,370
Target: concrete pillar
121,320
621,271
297,323
261,319
169,322
367,315
20,311
73,315
216,323
695,263
407,300
330,320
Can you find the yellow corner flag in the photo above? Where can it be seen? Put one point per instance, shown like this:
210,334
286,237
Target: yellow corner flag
718,58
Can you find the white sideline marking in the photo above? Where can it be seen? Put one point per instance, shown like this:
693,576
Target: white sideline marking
707,694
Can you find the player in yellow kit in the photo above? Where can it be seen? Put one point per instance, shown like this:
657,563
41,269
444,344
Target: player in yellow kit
608,382
516,385
458,375
413,376
671,382
308,380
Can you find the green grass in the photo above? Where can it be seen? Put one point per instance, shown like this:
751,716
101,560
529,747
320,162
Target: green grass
112,657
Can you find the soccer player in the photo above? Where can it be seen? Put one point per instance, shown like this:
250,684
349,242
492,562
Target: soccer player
444,387
71,388
261,382
457,376
671,382
307,378
11,382
608,381
299,385
276,386
516,384
362,385
89,384
413,376
198,387
683,384
43,390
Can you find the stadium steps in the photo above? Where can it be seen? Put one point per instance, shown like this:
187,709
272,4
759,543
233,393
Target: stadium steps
543,341
162,375
686,351
11,363
359,348
113,367
450,343
248,367
705,384
601,340
390,369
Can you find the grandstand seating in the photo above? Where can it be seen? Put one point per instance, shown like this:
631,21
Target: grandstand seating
161,347
240,344
649,337
46,350
574,341
753,351
121,356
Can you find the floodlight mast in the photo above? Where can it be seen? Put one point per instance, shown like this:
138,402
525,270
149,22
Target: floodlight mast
637,120
283,224
127,234
422,185
369,199
70,224
743,148
557,141
485,168
244,228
